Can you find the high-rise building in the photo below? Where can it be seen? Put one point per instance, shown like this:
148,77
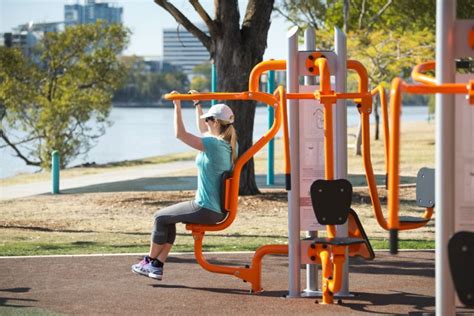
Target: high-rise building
90,12
183,50
25,36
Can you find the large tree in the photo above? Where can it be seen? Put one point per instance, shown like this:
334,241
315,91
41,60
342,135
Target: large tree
387,36
52,99
235,48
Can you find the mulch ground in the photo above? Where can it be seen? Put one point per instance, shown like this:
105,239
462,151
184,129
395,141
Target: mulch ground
402,284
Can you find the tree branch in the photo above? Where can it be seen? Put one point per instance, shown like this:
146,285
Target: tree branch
378,14
181,19
19,154
211,25
361,15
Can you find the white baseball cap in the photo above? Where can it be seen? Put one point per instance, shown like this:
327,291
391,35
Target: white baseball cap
221,112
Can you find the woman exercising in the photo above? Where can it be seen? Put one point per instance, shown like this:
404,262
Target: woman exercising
217,153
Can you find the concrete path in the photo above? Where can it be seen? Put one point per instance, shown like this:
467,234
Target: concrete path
159,177
158,170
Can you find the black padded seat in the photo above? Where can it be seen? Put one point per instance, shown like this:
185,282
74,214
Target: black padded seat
461,263
412,219
331,201
337,241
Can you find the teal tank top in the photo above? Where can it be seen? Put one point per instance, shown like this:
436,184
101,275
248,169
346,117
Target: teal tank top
211,164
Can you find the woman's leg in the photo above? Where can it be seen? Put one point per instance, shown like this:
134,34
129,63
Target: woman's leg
164,232
165,250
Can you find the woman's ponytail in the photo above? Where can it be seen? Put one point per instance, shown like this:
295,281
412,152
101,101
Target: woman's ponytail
229,135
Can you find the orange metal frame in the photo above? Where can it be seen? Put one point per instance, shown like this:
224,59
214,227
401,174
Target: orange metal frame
428,86
251,274
332,258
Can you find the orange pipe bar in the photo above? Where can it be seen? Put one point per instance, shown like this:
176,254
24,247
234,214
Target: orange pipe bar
394,163
369,172
362,72
447,88
261,68
299,96
255,96
418,75
325,89
286,138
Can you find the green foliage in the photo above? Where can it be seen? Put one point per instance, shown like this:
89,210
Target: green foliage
389,54
144,86
202,78
53,98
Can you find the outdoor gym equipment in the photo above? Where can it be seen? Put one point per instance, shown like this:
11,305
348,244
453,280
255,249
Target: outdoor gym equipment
316,63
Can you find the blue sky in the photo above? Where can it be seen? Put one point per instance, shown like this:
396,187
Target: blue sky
143,17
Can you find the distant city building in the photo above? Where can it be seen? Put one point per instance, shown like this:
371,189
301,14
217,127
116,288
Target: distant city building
25,36
90,12
183,50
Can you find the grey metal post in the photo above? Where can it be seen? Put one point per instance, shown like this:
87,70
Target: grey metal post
311,269
444,178
340,139
294,251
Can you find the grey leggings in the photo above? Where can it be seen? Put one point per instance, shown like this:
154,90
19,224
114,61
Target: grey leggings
164,228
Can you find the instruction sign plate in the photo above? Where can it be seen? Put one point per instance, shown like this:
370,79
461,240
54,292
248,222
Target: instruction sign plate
311,145
464,160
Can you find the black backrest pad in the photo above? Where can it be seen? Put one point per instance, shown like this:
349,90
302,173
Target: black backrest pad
225,175
461,263
425,187
331,201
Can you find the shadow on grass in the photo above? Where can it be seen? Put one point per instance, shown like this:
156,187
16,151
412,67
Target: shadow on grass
184,183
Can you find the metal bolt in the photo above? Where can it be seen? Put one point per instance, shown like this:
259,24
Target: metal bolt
324,218
431,202
339,218
469,296
342,190
320,190
464,248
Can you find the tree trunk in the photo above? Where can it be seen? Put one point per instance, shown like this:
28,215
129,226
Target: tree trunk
235,49
358,142
377,120
235,60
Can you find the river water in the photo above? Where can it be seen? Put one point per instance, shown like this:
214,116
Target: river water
144,132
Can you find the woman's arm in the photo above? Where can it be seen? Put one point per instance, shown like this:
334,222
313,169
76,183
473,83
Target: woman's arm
199,121
181,133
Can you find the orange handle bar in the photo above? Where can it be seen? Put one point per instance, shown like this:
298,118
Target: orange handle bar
261,68
398,85
255,96
418,73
